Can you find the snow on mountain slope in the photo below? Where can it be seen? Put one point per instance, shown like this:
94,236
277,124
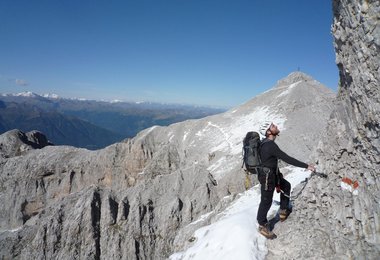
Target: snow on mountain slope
233,233
26,94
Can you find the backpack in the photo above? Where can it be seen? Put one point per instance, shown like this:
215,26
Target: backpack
251,152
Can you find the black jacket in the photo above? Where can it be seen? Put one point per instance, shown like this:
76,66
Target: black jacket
270,153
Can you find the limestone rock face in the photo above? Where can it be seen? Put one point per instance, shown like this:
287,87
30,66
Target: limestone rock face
65,203
330,222
143,198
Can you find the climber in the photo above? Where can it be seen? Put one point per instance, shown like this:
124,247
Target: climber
271,178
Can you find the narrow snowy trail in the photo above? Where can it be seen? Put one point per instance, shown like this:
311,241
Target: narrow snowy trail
234,235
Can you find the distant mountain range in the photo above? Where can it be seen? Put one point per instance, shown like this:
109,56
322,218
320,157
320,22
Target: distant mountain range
88,123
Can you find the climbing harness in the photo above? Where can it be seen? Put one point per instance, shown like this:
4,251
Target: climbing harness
322,175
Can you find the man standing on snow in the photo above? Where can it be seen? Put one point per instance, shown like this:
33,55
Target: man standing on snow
271,178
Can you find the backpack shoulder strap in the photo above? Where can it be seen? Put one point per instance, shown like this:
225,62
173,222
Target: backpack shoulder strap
266,140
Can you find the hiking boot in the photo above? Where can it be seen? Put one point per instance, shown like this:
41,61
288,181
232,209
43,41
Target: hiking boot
284,213
266,232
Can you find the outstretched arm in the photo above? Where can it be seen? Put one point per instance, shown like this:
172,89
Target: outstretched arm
288,159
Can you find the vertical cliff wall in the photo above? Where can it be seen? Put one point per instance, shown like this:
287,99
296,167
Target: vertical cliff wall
331,222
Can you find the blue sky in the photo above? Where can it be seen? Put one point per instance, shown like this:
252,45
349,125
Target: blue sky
217,53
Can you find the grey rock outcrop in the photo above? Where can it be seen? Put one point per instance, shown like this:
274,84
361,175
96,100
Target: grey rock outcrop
15,142
69,203
330,222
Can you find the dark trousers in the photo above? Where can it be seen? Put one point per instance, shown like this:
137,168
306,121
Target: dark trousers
269,180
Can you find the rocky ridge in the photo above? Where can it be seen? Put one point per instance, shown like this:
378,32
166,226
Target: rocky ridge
344,223
15,142
144,197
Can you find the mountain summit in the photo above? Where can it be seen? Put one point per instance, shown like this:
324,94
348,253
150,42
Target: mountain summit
293,78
